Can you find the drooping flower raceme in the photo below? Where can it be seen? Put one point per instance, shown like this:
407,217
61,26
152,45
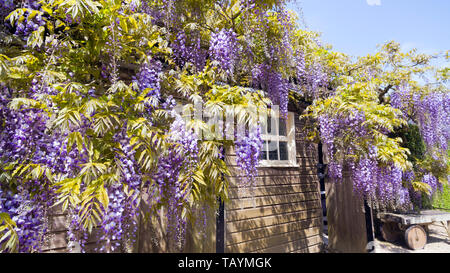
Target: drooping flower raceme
30,215
148,80
179,159
224,49
431,180
433,113
277,88
331,129
189,51
381,185
400,99
248,148
316,77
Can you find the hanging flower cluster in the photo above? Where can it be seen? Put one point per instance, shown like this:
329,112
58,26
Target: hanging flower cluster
334,127
381,185
248,148
6,6
433,113
180,158
147,79
277,88
189,50
29,213
312,77
224,49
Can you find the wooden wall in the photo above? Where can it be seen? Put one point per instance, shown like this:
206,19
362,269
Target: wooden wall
57,236
284,214
151,237
198,238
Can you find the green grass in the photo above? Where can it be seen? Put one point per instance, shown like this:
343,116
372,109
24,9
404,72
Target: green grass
442,199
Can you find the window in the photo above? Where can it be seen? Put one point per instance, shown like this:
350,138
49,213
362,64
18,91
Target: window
279,143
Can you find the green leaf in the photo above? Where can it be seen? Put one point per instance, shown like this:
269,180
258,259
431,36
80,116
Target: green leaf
36,39
75,137
199,177
103,197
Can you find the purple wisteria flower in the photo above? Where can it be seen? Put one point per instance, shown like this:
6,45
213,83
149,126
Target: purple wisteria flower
224,49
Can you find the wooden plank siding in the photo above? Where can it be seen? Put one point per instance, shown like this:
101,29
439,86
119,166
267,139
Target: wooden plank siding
151,237
283,212
57,239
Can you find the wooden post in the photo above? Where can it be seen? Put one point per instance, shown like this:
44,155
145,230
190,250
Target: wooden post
220,218
369,226
321,174
220,228
447,227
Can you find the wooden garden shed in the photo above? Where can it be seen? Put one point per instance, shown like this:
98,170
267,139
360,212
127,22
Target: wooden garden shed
283,213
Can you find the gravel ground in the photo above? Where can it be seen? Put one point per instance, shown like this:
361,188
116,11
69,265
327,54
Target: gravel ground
437,242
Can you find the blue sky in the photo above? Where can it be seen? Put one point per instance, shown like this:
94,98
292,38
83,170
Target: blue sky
355,27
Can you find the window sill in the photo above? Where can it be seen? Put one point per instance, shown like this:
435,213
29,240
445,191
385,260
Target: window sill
277,165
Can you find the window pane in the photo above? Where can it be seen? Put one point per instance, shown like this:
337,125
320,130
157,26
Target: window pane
263,129
273,150
263,154
282,127
271,123
283,151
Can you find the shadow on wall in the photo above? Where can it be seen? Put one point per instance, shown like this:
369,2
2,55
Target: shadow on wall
282,214
153,237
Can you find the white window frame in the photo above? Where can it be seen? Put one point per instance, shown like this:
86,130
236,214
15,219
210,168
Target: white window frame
289,138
